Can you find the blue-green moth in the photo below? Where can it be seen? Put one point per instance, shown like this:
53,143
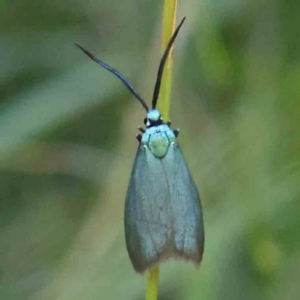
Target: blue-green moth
163,214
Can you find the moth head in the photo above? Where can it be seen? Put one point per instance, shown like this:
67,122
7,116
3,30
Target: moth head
153,118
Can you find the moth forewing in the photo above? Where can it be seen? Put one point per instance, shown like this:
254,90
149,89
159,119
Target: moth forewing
163,216
187,223
147,212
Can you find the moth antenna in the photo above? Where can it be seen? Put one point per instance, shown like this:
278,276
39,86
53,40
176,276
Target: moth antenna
162,64
116,73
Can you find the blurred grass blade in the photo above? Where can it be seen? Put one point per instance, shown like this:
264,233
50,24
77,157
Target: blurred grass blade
53,102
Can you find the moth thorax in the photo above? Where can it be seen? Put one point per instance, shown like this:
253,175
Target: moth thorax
153,118
159,144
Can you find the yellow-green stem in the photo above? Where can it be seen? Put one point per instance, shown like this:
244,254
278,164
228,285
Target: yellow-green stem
152,284
169,19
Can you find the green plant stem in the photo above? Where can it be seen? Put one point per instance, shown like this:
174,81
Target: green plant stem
152,284
169,19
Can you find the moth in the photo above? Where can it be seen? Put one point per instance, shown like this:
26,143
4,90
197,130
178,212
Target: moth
163,214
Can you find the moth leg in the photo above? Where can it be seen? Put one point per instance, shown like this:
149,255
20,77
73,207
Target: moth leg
169,123
142,130
176,132
139,137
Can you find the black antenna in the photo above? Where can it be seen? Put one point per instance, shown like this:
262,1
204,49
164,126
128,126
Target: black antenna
116,73
162,64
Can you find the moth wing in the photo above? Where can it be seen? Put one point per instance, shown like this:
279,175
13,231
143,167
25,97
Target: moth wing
148,227
187,219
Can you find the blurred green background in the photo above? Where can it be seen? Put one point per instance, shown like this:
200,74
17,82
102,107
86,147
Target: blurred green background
67,144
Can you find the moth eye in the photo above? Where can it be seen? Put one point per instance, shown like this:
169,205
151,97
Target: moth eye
145,121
